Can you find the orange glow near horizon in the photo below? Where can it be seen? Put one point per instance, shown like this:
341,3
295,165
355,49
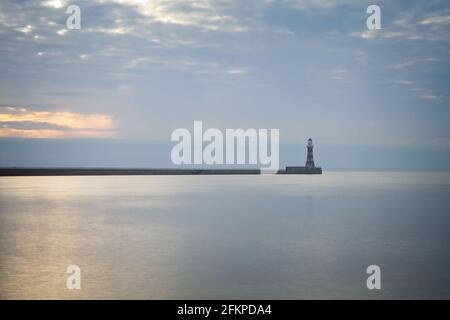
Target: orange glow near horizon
62,124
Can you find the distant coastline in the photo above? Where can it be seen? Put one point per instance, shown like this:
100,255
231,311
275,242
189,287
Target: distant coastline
11,172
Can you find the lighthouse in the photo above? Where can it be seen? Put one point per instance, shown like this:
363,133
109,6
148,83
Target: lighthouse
309,168
309,156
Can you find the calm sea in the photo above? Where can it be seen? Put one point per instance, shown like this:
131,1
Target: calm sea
195,237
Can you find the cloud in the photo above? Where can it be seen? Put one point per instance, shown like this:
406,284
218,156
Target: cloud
236,71
339,74
194,57
429,97
25,123
26,29
204,14
436,20
409,63
322,5
442,142
411,25
54,4
404,82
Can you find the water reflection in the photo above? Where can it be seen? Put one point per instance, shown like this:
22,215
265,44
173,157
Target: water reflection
225,237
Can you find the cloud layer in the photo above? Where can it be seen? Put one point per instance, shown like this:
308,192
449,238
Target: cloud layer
24,123
308,67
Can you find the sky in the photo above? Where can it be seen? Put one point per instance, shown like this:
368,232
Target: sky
137,70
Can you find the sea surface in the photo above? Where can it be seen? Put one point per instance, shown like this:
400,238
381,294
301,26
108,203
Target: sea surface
231,237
